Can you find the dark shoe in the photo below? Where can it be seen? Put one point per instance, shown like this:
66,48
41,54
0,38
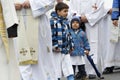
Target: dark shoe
91,76
78,76
83,78
108,70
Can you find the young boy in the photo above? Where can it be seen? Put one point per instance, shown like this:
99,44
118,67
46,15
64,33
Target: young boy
79,46
59,26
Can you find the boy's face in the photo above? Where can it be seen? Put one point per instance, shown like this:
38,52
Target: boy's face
63,12
75,25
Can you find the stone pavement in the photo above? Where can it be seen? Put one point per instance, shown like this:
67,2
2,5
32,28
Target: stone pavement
112,76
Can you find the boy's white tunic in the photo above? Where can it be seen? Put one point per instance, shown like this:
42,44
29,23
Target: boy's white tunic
63,65
85,7
9,71
44,69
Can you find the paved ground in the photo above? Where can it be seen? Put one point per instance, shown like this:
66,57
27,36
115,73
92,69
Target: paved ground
113,76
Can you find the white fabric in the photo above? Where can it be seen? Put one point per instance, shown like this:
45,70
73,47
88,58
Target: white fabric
9,70
40,7
63,65
27,35
116,58
26,70
9,11
45,69
109,50
114,34
83,7
106,50
77,60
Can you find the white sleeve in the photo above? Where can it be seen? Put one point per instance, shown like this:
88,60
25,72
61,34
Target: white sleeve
9,13
40,7
96,15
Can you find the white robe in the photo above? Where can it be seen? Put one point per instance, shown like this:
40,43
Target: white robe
110,56
9,71
9,11
84,7
45,69
106,52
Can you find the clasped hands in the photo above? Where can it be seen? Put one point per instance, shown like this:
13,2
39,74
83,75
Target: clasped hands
25,4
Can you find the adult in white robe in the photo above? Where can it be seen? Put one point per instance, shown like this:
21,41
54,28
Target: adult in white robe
106,52
93,11
45,68
111,58
116,22
8,21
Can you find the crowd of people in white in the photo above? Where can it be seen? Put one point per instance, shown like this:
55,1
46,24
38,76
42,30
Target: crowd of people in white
26,38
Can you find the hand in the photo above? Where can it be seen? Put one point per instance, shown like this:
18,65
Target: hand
26,4
115,22
70,51
86,52
110,11
83,18
18,6
57,50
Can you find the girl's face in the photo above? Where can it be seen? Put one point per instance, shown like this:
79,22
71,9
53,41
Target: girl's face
75,25
63,13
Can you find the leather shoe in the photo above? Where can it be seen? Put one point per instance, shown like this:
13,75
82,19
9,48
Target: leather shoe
91,76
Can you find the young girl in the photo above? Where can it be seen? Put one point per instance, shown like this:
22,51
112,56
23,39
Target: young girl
79,46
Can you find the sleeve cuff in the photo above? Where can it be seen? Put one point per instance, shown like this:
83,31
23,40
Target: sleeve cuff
12,31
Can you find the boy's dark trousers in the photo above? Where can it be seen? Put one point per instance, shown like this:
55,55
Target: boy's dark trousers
81,71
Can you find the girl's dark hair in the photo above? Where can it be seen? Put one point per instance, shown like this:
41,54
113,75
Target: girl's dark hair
82,26
60,6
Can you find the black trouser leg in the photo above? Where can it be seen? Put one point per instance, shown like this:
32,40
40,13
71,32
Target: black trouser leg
82,71
74,68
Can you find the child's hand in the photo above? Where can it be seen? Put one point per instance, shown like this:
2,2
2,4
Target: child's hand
86,52
57,50
71,50
115,22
